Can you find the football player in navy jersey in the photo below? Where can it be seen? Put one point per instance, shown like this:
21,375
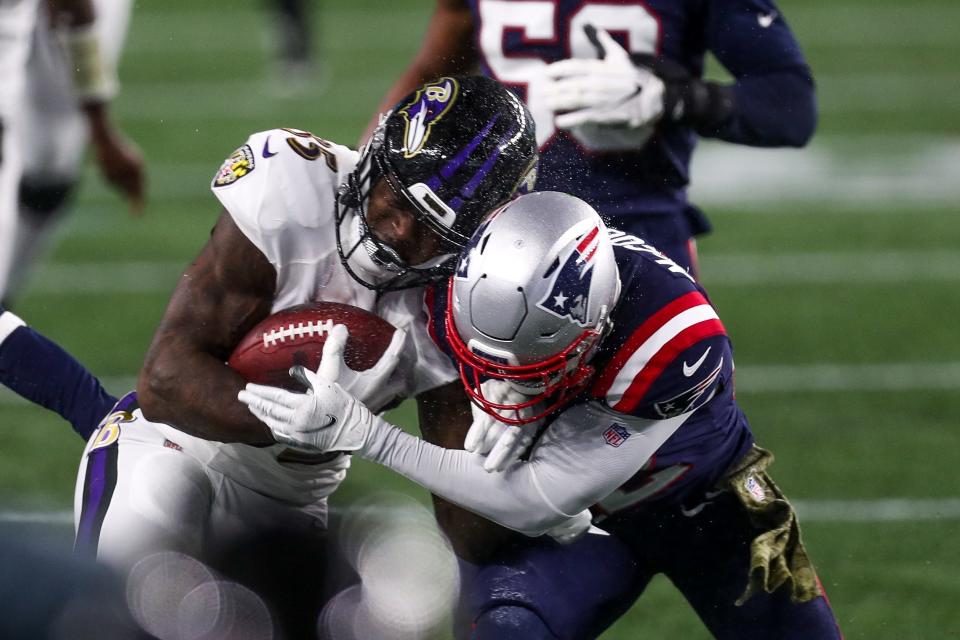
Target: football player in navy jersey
613,361
617,93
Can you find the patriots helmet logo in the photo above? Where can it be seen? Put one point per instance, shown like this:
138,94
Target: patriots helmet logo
427,108
569,293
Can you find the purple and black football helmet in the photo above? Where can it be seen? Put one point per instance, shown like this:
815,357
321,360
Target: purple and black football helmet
454,149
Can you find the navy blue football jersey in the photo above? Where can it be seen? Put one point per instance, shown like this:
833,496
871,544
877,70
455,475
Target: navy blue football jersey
517,39
667,354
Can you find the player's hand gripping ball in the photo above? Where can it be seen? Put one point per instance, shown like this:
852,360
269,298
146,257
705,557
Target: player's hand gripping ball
295,337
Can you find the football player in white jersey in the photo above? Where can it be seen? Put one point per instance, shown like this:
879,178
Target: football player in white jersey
181,463
610,355
54,129
16,23
93,86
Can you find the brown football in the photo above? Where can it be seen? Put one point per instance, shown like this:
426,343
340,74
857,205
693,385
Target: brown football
295,336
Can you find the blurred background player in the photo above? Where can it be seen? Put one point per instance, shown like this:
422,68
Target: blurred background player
618,115
16,23
612,355
293,43
60,110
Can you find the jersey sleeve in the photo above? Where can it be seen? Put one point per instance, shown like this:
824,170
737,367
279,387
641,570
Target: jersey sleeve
671,364
583,456
282,196
774,91
590,450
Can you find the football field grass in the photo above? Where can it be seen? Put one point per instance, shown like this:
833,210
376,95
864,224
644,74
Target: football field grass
836,270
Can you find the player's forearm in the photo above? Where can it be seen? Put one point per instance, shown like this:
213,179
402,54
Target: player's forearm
509,499
775,109
445,419
196,393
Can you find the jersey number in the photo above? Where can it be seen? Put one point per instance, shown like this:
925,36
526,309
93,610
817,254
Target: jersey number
308,146
536,21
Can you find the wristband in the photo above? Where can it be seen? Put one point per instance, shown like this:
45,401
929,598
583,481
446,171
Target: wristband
8,324
700,103
687,99
92,79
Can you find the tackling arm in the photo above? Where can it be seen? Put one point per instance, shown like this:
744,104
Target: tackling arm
445,418
570,468
185,381
447,49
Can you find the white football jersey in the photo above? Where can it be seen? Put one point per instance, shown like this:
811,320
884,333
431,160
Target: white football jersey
17,20
280,188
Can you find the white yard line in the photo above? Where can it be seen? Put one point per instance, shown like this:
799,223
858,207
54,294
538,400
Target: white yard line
832,174
826,174
880,510
833,378
875,510
835,268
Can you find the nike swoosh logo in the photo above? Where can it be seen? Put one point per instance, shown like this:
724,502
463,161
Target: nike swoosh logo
689,370
766,19
331,420
709,495
694,511
266,149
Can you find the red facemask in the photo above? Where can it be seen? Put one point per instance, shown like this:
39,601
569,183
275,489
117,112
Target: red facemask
556,379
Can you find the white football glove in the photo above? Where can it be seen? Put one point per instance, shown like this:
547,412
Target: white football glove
370,386
326,418
608,91
501,443
572,528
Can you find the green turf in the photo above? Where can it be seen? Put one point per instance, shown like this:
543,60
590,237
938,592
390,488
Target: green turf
197,80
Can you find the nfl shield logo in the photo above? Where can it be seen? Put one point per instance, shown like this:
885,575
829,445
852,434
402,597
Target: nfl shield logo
616,435
755,489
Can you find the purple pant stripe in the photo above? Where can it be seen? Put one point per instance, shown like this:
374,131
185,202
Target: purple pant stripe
98,486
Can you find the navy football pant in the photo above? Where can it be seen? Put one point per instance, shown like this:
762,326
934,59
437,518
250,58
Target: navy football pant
540,589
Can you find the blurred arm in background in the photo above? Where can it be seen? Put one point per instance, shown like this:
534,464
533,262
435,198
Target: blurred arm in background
95,84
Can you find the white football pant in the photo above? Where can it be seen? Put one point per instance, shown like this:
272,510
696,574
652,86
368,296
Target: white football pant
139,493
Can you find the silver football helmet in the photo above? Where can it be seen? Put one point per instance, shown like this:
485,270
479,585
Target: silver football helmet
530,302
